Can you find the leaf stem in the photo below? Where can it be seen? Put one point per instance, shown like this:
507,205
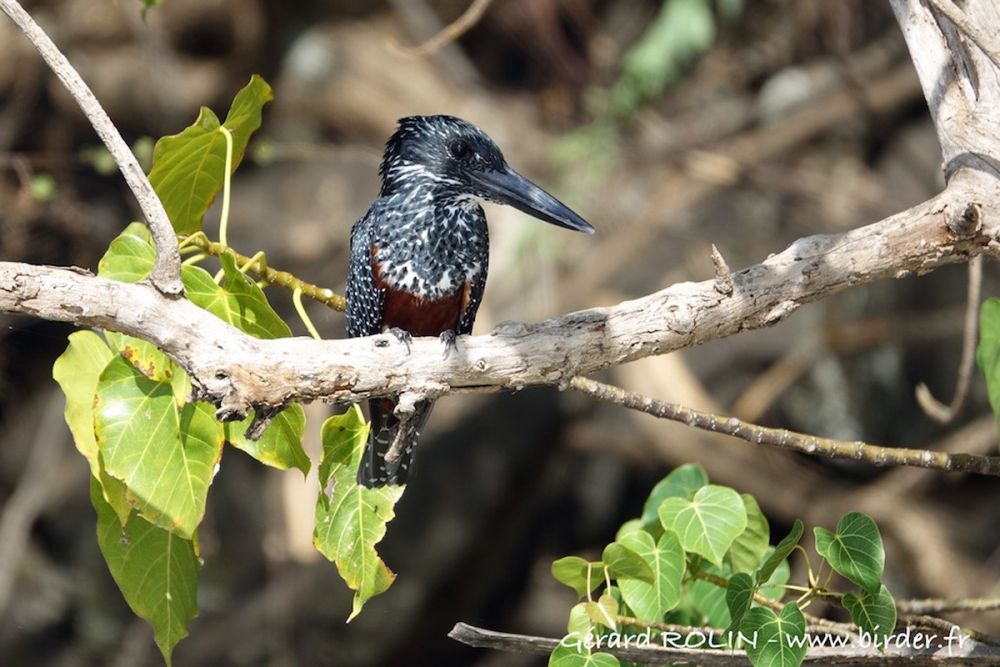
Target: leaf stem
227,178
303,315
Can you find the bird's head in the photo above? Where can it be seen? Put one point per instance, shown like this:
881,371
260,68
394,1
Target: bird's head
459,161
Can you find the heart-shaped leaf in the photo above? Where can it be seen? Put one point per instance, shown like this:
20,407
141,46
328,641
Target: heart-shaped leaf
748,550
874,613
650,600
775,640
707,524
855,550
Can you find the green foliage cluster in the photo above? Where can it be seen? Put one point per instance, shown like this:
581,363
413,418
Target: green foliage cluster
153,451
700,556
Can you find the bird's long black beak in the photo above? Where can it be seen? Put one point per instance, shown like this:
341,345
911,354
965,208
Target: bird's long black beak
509,187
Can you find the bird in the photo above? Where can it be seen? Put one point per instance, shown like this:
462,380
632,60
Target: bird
419,257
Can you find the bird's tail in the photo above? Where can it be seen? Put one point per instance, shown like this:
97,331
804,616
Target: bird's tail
387,429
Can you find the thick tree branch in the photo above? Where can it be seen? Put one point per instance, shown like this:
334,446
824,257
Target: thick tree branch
238,372
166,275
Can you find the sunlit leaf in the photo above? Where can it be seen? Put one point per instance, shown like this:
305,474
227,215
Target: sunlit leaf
747,551
682,482
603,611
188,167
708,523
351,519
571,655
622,561
166,457
280,446
665,558
578,574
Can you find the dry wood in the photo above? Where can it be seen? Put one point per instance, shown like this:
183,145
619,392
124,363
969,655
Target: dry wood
238,372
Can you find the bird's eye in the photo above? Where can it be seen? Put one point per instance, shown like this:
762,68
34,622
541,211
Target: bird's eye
458,148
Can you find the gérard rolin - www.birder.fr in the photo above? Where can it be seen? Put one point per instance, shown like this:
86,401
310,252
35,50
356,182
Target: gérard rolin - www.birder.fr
419,256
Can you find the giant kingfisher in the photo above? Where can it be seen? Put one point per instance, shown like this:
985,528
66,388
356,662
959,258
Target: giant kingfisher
418,257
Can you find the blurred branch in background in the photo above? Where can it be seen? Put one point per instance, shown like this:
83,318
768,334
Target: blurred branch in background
450,32
782,439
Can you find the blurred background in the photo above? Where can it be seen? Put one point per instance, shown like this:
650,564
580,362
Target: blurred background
671,125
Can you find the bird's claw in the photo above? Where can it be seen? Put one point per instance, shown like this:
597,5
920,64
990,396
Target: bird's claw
448,337
402,335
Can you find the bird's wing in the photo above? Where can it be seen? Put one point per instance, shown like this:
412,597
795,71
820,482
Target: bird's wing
472,299
365,300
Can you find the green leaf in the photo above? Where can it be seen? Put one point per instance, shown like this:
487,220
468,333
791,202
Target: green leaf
156,571
130,256
708,599
573,571
855,551
988,351
165,457
280,446
238,301
579,620
77,370
781,552
188,167
775,640
351,519
739,597
709,523
874,613
630,526
622,561
665,558
774,587
682,482
603,611
571,655
748,550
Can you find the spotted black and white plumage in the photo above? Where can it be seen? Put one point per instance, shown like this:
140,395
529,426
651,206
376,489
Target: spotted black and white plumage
419,256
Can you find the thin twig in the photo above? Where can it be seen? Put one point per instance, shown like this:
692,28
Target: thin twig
258,266
782,439
933,408
977,36
166,274
450,33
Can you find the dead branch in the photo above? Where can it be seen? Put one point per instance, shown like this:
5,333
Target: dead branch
933,408
238,372
451,32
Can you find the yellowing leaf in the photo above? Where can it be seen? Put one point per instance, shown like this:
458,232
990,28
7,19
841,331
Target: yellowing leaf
166,457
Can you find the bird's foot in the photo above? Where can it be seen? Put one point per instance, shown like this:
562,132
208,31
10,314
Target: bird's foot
448,338
402,335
